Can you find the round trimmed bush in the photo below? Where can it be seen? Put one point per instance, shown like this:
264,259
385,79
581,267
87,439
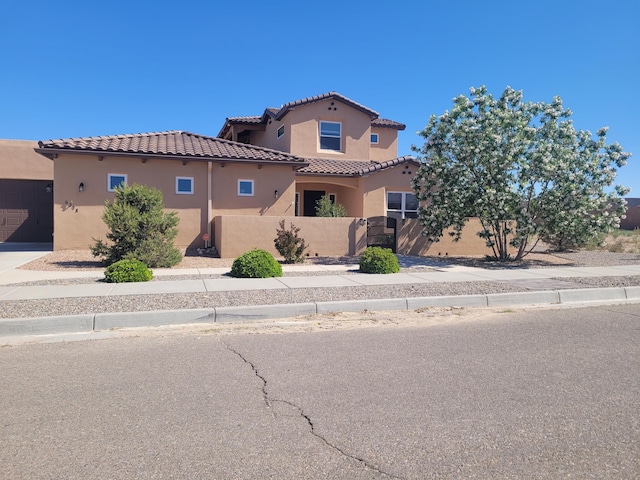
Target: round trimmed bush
256,263
128,270
379,260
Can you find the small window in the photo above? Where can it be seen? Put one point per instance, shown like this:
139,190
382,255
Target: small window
374,138
115,180
280,131
330,136
403,204
184,185
245,188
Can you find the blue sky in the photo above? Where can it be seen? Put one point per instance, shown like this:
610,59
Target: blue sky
82,68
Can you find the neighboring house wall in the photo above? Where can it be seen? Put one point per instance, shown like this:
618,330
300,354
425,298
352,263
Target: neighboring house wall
325,236
633,215
26,199
18,160
78,215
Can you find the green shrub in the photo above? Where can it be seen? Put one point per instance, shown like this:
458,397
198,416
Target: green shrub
256,264
138,228
289,245
326,208
378,260
128,270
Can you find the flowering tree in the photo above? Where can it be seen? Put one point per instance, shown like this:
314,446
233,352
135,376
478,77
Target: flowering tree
519,167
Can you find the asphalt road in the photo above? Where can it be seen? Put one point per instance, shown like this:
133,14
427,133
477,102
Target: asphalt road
517,394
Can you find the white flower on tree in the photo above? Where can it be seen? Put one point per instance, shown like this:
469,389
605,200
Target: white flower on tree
522,169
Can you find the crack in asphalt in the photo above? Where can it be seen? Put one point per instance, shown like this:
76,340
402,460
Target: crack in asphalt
269,401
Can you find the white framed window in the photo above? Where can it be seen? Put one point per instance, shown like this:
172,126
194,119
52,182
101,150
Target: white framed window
245,188
184,185
375,139
280,131
402,205
331,136
115,180
332,198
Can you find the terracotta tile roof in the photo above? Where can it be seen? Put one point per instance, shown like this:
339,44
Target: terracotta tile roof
325,96
351,168
173,143
386,123
278,113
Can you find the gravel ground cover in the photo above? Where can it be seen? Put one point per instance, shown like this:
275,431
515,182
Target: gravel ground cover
82,261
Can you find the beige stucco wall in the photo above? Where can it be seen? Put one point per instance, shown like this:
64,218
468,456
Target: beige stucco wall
395,179
302,133
78,215
237,234
387,147
410,242
19,161
348,191
266,180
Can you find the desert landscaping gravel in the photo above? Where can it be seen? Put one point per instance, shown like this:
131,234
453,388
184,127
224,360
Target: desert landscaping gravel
82,261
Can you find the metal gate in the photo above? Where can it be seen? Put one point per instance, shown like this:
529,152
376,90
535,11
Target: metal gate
381,232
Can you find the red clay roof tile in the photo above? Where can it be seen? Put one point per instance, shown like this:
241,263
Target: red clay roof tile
171,143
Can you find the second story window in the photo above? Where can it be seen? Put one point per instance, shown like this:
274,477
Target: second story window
330,136
374,138
280,131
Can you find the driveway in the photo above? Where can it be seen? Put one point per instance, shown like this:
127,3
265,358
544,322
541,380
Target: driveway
14,254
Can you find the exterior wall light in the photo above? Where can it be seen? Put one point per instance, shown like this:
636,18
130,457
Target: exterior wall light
276,194
81,187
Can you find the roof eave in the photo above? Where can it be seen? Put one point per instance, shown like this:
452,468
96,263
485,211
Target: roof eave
52,152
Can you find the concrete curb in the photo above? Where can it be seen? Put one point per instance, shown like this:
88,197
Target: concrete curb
105,321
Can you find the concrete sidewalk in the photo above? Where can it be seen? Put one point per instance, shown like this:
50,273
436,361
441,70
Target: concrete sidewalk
545,286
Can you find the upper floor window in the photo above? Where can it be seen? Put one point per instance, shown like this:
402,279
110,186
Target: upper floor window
403,204
115,180
374,138
245,188
330,136
280,131
184,185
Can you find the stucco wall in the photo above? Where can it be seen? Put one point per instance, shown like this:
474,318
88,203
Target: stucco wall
348,191
410,242
387,147
302,128
395,179
266,180
236,234
19,161
78,215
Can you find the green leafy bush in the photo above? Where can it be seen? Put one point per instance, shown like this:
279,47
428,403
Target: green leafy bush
128,270
378,260
138,228
289,245
326,208
256,264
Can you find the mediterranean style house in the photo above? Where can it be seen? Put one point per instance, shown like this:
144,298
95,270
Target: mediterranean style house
232,190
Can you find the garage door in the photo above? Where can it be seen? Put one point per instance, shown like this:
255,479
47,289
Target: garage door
26,211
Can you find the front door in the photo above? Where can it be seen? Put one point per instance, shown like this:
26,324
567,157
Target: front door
309,201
